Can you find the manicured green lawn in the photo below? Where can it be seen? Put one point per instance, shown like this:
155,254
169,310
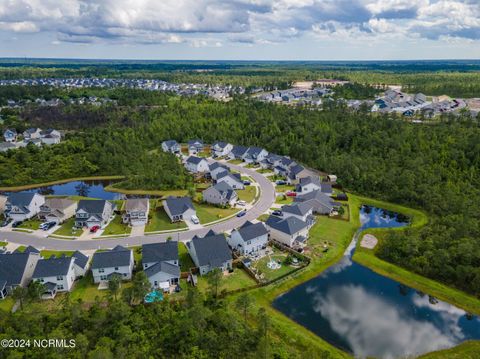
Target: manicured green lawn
184,257
203,154
116,227
264,170
207,213
284,188
238,279
161,222
86,290
282,199
251,165
235,162
270,274
32,224
275,177
48,254
467,350
263,217
7,304
3,244
66,229
247,194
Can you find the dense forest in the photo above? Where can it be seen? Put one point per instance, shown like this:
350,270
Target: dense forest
432,167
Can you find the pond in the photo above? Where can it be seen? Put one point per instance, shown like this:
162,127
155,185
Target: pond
93,189
367,314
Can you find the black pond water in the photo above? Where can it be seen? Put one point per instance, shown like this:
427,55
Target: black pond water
367,314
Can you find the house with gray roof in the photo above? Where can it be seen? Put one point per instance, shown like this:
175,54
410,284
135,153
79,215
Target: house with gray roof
21,206
290,231
220,194
118,261
195,164
91,213
294,174
195,146
215,169
81,263
308,184
221,149
6,146
179,208
32,133
300,210
16,269
318,201
136,211
57,274
210,252
57,209
326,189
249,238
10,135
171,146
237,153
232,179
161,264
254,155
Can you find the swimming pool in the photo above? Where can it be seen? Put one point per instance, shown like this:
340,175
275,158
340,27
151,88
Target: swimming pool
154,296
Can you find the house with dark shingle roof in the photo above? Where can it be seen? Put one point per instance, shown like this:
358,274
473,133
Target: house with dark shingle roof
237,152
255,155
300,210
179,208
57,209
320,202
56,273
118,261
220,148
10,135
23,205
171,146
161,264
220,194
294,174
195,164
136,211
81,263
308,184
249,238
233,179
32,133
289,231
91,213
215,169
195,146
16,269
210,252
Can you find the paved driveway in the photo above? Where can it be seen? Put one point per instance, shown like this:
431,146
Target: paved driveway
267,198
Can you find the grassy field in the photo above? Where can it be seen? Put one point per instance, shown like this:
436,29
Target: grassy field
48,254
236,280
116,227
66,229
7,304
3,244
282,199
264,170
184,257
235,162
159,193
271,274
247,194
161,222
263,217
467,350
284,188
32,224
208,213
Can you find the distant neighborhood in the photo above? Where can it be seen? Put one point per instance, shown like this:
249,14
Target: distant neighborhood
34,136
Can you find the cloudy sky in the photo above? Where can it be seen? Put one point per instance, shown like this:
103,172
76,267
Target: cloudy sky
241,29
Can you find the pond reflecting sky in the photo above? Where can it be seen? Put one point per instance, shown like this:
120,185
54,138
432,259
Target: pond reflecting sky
367,314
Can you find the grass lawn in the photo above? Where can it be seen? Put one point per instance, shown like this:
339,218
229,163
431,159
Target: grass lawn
264,170
238,279
3,244
86,290
207,213
7,304
263,217
282,199
161,193
235,162
47,254
275,178
21,249
203,154
116,227
270,274
184,257
66,229
32,224
466,350
161,222
247,194
251,165
284,188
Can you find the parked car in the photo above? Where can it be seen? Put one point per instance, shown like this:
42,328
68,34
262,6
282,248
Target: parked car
277,213
281,182
47,225
94,229
5,222
247,183
241,214
16,224
291,194
241,203
195,219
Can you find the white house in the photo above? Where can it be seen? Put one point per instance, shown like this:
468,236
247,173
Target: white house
171,146
210,252
300,210
220,194
290,231
161,265
16,269
81,263
92,212
308,184
21,206
195,146
32,133
10,135
195,164
217,168
136,211
320,202
50,136
249,238
221,149
118,261
57,274
255,155
237,152
232,179
179,208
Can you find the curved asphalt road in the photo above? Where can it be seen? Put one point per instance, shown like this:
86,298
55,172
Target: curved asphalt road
267,197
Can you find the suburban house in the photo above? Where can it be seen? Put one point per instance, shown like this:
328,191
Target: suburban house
57,274
50,136
93,213
220,194
249,238
21,206
57,210
254,155
16,269
81,263
3,201
136,211
32,133
237,153
300,210
220,149
118,261
171,146
233,179
179,208
195,164
210,252
195,146
161,265
327,189
290,231
10,135
215,169
308,184
318,201
270,161
294,174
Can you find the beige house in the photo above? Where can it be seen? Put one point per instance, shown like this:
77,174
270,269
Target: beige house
136,211
57,210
